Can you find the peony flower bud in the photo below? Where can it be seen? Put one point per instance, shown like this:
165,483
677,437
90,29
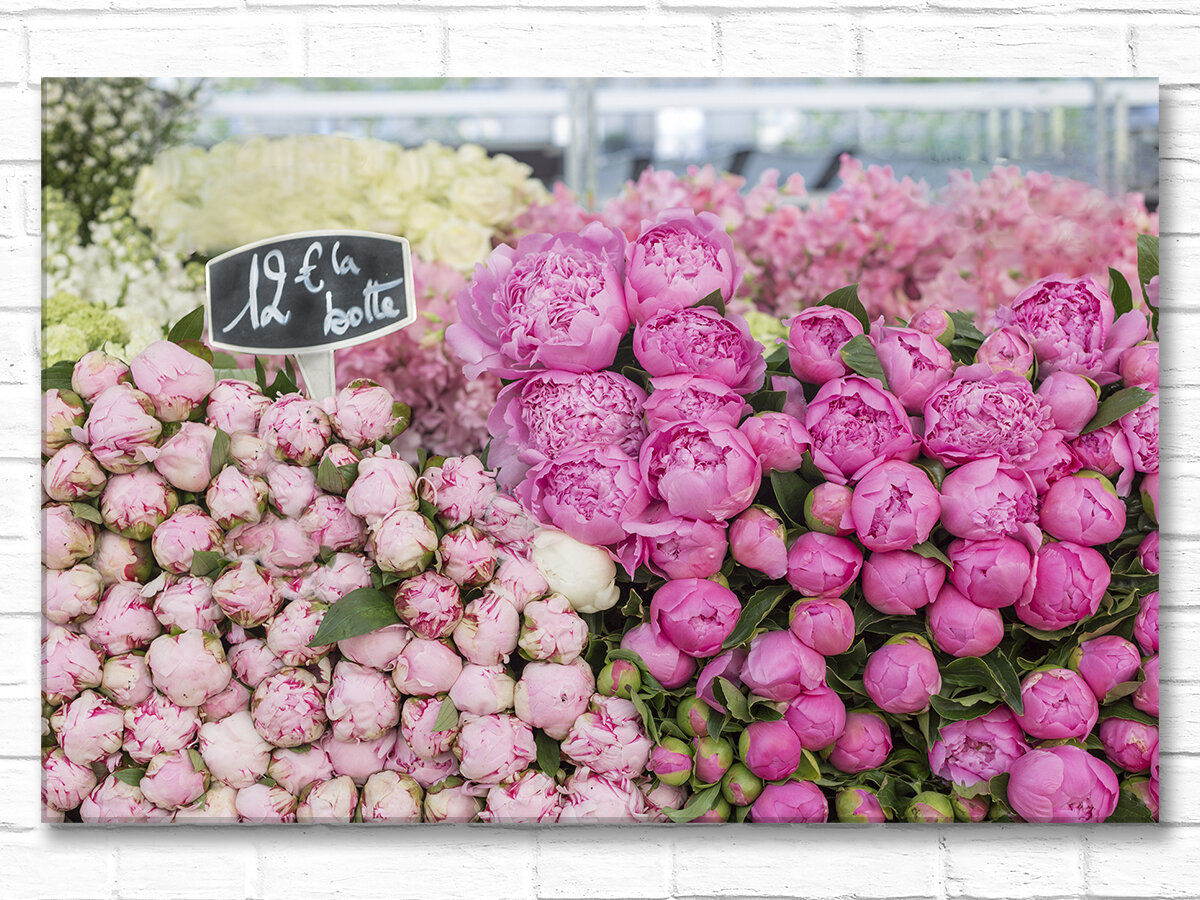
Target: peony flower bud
1070,583
1105,662
403,542
185,458
236,499
550,695
864,744
1145,697
176,380
770,750
930,807
295,770
288,708
1072,399
156,725
391,797
71,474
1058,704
793,801
987,499
492,749
123,620
815,339
70,664
235,698
64,784
827,509
253,662
894,507
333,800
824,623
426,668
136,503
61,411
960,627
246,595
451,801
822,565
118,559
418,719
1128,743
713,758
329,524
235,406
66,540
486,690
778,440
126,679
913,362
662,659
296,429
900,582
1148,553
902,675
121,431
429,604
365,413
591,796
291,632
259,804
188,668
1062,784
88,728
70,595
992,572
585,575
489,630
362,703
532,797
974,750
779,667
468,558
608,738
114,801
174,779
818,717
1145,624
377,649
359,759
620,678
1083,508
177,540
460,489
858,804
757,541
696,615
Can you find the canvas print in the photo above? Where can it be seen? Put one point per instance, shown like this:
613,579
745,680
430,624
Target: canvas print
646,450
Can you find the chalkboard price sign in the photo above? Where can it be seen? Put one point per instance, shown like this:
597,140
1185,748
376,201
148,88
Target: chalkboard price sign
309,292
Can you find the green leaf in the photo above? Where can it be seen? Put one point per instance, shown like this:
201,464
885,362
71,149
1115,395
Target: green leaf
649,723
189,328
1119,290
727,694
198,349
992,672
847,298
929,550
548,753
58,376
768,401
447,716
701,802
329,478
859,354
809,768
1130,808
349,473
1147,250
715,300
86,511
1124,709
220,453
965,332
1119,404
205,562
1124,689
358,612
131,775
197,760
791,490
757,608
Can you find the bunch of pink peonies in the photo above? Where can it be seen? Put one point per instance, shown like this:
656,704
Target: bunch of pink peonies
255,611
891,566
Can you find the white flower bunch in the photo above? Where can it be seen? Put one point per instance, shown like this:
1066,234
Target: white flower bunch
448,202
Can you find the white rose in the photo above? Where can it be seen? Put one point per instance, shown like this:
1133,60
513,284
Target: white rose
483,199
456,243
584,574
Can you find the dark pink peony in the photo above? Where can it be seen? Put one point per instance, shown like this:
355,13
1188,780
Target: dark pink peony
700,341
998,415
590,492
853,423
701,472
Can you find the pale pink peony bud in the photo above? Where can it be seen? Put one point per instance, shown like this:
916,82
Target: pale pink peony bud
552,631
73,474
235,405
88,728
61,411
189,668
425,668
218,806
289,547
235,698
451,801
259,804
391,797
121,430
359,759
95,371
234,751
518,581
362,704
383,484
609,738
246,595
123,621
126,679
114,801
532,798
187,531
185,458
291,489
379,649
70,664
460,489
236,499
417,720
64,784
70,595
186,602
253,662
136,503
333,800
403,542
484,690
157,725
175,779
295,428
489,629
506,522
296,769
66,540
429,604
468,558
118,559
250,454
551,696
174,379
402,758
288,708
492,749
331,525
344,573
365,413
593,797
289,633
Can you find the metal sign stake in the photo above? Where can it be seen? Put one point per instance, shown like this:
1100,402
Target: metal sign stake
317,369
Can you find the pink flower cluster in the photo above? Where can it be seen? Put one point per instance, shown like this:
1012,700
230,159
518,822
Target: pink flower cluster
197,536
956,482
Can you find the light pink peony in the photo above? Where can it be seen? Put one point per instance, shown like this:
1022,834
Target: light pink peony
185,458
121,430
173,780
66,540
666,662
246,595
332,800
123,621
418,717
114,801
64,784
70,595
252,661
609,738
362,703
459,489
468,557
690,398
451,801
260,804
126,679
176,540
62,411
329,523
593,797
978,749
293,629
365,413
344,573
235,406
88,728
296,429
756,541
489,630
95,371
156,725
234,751
235,698
72,474
176,380
378,649
118,559
532,798
70,664
853,423
295,770
136,503
288,708
403,542
391,797
492,749
552,631
425,668
550,696
189,668
384,483
697,341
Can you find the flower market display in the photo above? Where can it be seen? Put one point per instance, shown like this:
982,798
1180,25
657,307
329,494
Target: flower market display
876,572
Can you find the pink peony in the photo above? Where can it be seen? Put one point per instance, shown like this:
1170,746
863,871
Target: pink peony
187,531
822,565
288,708
780,667
550,696
700,341
176,380
484,690
815,338
121,430
296,429
188,668
1071,581
123,621
962,628
993,416
979,749
695,614
666,662
894,507
532,797
1062,784
88,728
383,484
156,725
899,582
914,363
95,371
492,749
691,398
365,413
854,423
987,499
864,744
1058,704
609,738
756,541
235,406
362,703
902,675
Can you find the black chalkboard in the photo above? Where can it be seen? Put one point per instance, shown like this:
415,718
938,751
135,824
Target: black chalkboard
311,291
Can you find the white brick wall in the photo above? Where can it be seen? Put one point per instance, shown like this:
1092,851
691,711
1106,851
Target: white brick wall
596,37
